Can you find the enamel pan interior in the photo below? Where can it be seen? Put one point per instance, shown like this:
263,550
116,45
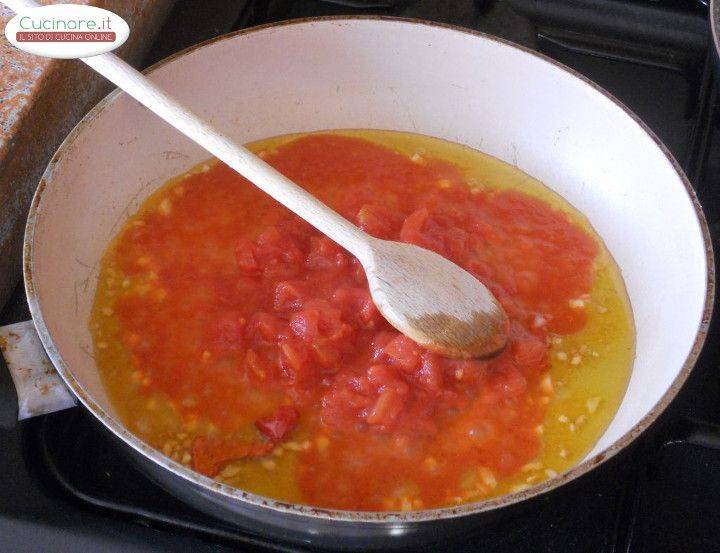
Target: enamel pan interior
389,74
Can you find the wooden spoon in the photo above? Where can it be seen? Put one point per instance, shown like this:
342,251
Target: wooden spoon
423,295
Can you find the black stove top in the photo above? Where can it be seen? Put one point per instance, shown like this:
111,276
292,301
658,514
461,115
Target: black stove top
65,485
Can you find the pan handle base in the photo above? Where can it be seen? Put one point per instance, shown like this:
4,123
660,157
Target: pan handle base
39,388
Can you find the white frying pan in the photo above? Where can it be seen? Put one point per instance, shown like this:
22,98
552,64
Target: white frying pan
391,74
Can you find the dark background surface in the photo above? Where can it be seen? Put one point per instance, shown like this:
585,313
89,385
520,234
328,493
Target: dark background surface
66,486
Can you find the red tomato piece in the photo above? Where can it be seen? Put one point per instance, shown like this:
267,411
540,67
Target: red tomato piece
375,221
289,295
384,377
325,254
209,454
267,327
320,322
277,426
296,361
326,356
412,227
246,256
403,352
379,341
386,408
357,305
344,408
430,374
230,329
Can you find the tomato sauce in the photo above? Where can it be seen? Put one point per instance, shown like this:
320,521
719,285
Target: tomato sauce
260,335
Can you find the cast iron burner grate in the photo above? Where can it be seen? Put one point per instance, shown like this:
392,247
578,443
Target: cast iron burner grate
629,505
74,456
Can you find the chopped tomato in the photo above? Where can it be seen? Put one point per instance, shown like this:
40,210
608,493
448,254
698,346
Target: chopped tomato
403,352
246,256
295,358
244,308
277,426
209,454
230,328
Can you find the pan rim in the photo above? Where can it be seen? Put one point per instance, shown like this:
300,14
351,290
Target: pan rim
714,17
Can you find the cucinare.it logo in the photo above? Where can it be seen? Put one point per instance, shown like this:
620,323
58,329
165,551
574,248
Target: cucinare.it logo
67,31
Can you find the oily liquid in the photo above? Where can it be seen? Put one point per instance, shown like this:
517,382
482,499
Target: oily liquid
590,369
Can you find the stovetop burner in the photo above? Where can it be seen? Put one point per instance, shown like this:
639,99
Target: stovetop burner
67,485
72,455
630,504
75,457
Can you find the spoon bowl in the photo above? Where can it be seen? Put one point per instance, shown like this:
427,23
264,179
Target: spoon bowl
434,301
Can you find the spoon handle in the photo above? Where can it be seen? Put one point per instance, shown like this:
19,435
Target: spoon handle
263,175
241,159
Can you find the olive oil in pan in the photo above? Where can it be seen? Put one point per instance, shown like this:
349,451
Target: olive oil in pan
589,374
